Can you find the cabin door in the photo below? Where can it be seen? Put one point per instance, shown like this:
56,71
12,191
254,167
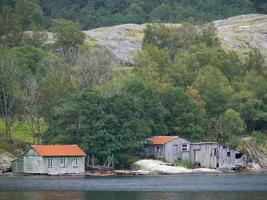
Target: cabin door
197,156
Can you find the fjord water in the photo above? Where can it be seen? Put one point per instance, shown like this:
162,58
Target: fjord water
182,187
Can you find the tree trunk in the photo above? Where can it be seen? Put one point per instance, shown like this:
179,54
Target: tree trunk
8,127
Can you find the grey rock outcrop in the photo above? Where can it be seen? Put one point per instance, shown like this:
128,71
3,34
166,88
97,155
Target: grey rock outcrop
122,40
5,160
241,33
238,33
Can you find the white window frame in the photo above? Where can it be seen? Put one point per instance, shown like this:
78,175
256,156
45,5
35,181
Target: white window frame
49,162
75,162
62,162
185,147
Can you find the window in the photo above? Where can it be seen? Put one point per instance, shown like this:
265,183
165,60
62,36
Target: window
49,163
228,154
75,162
185,147
62,162
158,149
238,155
214,152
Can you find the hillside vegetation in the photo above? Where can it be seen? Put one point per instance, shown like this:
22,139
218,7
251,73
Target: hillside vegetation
99,13
20,132
72,90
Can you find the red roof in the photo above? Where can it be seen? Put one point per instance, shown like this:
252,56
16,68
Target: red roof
162,139
59,150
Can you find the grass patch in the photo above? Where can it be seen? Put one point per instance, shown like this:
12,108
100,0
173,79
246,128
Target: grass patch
260,138
184,163
20,131
132,159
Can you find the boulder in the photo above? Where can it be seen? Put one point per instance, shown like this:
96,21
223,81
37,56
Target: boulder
157,166
5,161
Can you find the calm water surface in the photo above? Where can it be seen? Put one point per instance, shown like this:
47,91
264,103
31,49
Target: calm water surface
182,187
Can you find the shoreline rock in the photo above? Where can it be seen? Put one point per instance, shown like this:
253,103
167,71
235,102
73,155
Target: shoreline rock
157,166
5,161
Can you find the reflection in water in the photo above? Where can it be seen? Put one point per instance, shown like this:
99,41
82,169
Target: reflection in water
181,187
103,195
179,183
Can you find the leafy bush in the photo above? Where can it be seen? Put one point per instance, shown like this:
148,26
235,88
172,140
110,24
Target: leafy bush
184,163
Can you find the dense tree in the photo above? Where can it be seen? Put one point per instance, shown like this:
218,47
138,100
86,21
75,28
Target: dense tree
183,116
10,28
170,39
53,88
228,124
108,125
93,66
68,34
11,94
33,112
97,13
215,90
260,5
29,14
29,57
251,100
154,65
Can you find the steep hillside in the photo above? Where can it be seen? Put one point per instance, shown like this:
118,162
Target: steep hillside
255,150
236,33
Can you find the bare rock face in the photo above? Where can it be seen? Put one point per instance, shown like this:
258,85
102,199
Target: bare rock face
5,161
243,32
238,33
122,40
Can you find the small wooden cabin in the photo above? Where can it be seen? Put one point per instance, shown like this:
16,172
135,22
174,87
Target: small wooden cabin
169,148
51,159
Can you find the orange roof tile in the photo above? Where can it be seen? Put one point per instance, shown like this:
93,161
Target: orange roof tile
59,150
162,139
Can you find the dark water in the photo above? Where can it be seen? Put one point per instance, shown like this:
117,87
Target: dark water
182,187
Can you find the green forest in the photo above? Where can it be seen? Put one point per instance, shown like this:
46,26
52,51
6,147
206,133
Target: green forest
98,13
68,91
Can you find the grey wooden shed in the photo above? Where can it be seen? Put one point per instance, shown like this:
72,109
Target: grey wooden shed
201,154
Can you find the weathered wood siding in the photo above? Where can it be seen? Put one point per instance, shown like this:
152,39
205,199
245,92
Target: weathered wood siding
17,165
204,154
173,150
227,158
69,167
170,151
32,162
157,151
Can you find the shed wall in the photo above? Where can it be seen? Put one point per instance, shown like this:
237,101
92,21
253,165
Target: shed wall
204,154
69,167
227,158
17,165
